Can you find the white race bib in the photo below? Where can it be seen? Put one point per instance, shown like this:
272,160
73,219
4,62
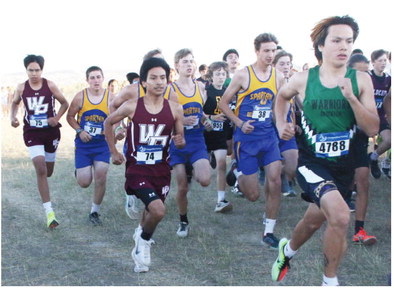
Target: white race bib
261,113
332,144
149,154
93,129
38,121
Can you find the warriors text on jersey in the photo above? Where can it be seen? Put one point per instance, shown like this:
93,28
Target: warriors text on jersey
39,104
148,138
91,118
255,103
328,121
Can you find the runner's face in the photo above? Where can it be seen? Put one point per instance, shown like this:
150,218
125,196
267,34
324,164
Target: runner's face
338,45
218,77
380,63
156,81
34,72
95,80
232,61
186,65
266,53
284,65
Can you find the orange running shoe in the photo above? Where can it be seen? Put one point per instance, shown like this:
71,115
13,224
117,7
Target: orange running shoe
362,238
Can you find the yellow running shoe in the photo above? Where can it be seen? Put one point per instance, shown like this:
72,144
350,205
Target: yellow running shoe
51,220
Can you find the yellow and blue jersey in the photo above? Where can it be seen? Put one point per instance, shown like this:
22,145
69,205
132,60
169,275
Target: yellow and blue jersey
255,103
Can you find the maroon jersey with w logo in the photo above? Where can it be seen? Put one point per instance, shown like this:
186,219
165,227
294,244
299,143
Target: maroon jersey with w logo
39,106
148,138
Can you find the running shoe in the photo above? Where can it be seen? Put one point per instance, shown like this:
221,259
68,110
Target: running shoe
141,252
183,230
386,167
138,231
139,268
351,205
52,223
230,177
131,207
281,264
270,241
236,191
375,171
95,218
223,206
362,238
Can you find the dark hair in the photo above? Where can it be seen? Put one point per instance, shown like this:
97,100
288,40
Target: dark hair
93,68
131,76
357,51
150,63
264,38
281,54
228,52
34,58
202,67
110,82
377,53
357,58
217,66
320,31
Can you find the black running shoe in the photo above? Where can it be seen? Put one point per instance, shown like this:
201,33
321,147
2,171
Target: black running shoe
212,160
189,171
375,171
230,177
95,218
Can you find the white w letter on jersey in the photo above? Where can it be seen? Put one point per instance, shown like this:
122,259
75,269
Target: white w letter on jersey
150,136
35,104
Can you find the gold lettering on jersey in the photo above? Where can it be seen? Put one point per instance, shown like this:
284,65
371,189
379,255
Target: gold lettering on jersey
263,96
94,118
191,110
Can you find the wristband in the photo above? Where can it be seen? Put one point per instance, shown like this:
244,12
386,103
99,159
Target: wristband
242,125
78,131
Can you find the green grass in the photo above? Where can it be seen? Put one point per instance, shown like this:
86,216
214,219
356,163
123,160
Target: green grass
222,250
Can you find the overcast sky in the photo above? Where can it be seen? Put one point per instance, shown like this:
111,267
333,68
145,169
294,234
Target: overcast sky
76,34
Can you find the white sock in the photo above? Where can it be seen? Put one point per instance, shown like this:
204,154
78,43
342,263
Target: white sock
221,195
95,208
48,207
269,226
327,281
288,251
374,156
237,173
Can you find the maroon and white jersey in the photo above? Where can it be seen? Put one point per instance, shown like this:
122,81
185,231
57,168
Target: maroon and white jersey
148,138
39,106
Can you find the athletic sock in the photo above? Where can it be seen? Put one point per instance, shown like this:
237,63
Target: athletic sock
237,173
269,226
358,224
221,195
288,251
328,281
95,208
184,218
146,236
47,207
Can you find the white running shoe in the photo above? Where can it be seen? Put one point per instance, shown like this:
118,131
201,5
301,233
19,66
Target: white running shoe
223,206
131,207
138,268
183,230
138,231
141,252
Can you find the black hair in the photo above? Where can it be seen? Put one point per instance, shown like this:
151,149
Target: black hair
357,58
34,58
131,76
93,68
150,63
229,51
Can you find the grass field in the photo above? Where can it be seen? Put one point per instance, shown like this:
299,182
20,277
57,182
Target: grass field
222,249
